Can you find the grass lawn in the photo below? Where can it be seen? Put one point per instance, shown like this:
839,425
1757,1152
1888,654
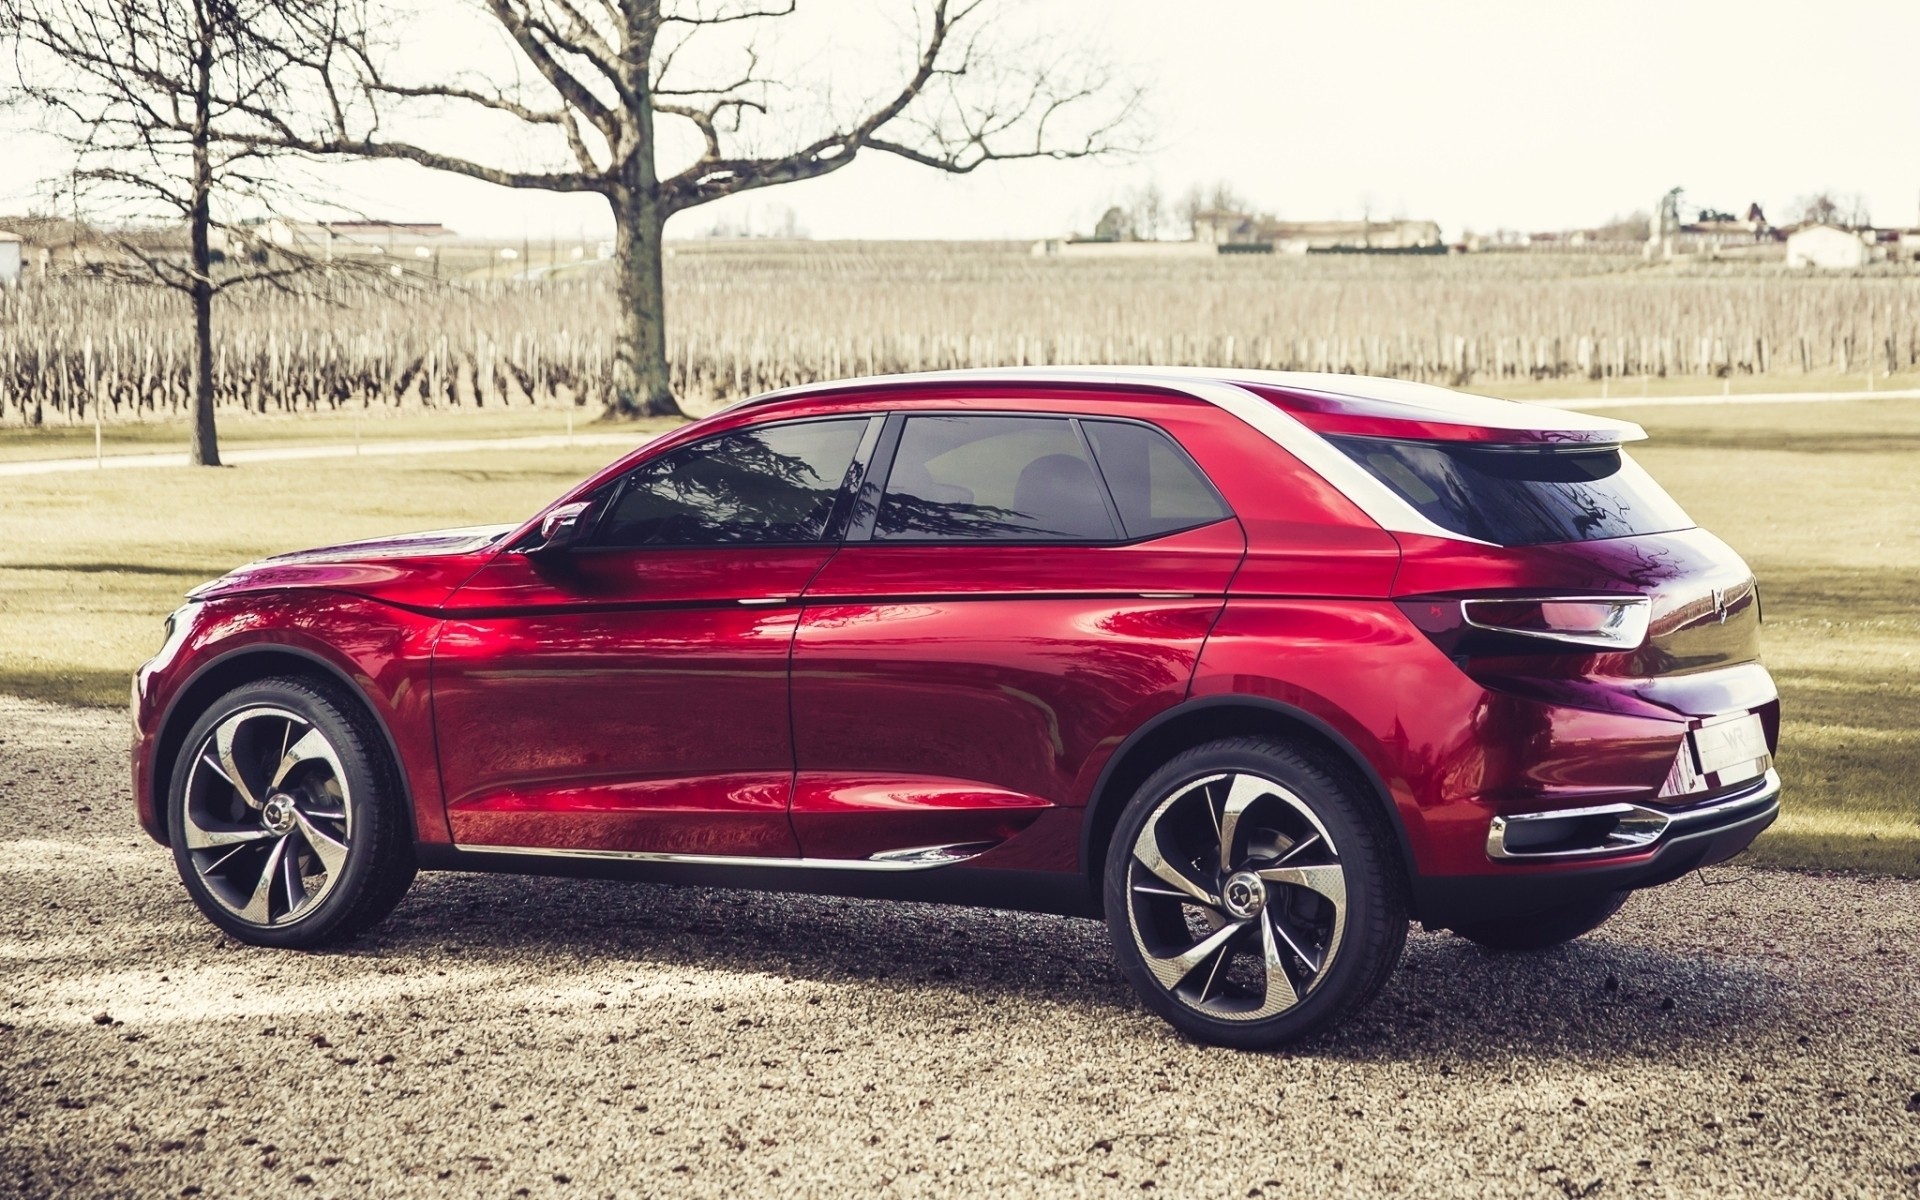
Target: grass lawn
1823,500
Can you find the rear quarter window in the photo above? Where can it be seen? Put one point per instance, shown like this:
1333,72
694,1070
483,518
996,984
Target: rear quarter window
1515,496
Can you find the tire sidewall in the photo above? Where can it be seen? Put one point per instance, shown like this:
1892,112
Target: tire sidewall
1355,965
363,779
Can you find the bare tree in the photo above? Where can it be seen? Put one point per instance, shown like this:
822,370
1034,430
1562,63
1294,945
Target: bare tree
1821,208
1149,208
1192,203
600,75
159,101
1222,197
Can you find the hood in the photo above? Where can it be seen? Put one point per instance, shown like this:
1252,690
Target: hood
415,569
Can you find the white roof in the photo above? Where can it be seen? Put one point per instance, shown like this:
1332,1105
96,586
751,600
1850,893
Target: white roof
10,237
1415,400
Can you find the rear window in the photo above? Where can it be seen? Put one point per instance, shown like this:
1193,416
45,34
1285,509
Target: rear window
1520,497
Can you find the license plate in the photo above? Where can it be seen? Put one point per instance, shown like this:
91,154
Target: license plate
1730,743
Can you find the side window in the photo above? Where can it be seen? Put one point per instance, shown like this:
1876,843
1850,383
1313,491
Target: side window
776,483
1154,484
993,479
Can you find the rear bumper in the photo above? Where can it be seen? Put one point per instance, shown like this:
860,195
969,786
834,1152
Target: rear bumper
1699,836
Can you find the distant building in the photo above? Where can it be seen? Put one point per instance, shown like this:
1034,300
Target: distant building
1221,228
1829,247
11,250
1712,234
353,237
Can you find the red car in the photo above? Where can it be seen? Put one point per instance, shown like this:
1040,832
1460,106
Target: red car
1256,666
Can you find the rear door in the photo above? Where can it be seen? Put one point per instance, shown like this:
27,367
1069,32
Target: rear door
630,696
1015,592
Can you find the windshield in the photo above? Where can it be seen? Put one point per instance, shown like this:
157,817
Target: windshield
1520,497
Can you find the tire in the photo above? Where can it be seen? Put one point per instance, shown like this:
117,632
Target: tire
1312,882
1545,929
312,845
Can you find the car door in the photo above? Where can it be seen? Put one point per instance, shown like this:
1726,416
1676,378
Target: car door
629,695
997,616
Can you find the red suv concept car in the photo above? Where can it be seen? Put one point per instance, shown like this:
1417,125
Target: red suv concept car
1255,666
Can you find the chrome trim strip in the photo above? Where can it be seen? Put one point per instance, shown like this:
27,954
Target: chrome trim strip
923,861
1636,829
932,856
1762,792
1639,827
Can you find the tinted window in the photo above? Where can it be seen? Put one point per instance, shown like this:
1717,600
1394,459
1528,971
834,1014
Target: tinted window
1154,484
996,478
1520,497
772,484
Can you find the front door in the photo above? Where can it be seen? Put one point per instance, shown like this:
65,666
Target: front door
630,695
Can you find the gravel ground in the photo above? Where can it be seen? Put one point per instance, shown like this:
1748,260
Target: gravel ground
1746,1033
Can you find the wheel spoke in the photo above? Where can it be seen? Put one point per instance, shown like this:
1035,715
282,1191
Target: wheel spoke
311,747
1241,793
223,739
1281,993
1148,855
1286,935
1297,848
290,878
1329,881
331,851
201,838
1172,971
259,906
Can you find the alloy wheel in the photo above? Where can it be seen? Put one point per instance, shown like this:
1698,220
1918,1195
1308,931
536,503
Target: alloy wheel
268,821
1236,897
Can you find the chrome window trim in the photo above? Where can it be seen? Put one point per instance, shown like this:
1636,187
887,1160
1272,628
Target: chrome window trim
1222,389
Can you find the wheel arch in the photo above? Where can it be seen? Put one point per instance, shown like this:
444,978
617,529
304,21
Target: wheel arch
244,665
1203,720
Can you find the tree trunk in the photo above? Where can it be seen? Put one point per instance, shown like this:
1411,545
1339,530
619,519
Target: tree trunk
641,387
204,450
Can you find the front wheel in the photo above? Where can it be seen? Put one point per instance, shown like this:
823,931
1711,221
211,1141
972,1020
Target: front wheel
285,816
1253,896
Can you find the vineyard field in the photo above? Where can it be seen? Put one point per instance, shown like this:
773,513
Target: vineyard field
748,316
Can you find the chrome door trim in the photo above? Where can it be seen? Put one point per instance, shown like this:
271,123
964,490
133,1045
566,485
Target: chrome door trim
918,858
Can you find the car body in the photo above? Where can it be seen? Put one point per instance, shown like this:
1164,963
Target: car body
1537,676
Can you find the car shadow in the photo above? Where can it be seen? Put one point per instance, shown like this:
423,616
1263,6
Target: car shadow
1604,994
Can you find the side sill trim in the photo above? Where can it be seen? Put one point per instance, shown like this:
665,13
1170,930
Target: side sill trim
917,859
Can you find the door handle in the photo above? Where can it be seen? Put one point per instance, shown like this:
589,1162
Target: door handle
759,600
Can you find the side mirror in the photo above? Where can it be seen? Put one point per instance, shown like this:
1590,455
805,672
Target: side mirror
562,529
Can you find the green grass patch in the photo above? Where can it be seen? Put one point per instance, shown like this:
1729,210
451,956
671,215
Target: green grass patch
1822,499
242,430
93,561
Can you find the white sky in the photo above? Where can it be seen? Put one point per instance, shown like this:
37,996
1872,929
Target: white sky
1479,114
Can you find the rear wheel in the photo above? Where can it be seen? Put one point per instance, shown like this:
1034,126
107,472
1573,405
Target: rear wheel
1252,895
1545,929
285,816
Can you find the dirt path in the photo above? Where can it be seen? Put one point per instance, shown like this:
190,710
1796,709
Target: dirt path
504,1037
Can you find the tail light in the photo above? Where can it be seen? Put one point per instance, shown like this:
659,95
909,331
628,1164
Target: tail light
1498,625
